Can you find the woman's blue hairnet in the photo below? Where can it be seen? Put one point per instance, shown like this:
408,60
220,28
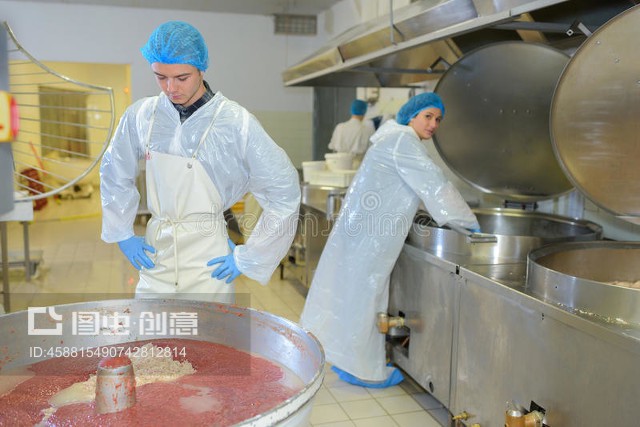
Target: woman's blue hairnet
358,107
416,104
176,42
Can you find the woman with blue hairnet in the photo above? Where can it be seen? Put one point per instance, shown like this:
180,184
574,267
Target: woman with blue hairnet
353,135
203,152
351,283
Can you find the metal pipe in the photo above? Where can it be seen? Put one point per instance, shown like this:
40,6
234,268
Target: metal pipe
384,322
27,251
5,266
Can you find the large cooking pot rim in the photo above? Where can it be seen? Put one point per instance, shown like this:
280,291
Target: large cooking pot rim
422,218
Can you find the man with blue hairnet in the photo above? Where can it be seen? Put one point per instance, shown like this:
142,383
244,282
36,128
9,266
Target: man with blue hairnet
381,202
353,135
203,152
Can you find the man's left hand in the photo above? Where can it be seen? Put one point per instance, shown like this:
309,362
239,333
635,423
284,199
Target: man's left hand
227,268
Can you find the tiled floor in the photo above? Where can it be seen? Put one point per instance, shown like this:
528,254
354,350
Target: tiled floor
76,262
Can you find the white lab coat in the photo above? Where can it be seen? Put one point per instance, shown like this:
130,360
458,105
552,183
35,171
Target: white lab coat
352,136
238,156
351,283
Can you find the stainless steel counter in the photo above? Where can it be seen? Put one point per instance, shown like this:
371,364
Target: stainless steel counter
478,339
318,209
322,198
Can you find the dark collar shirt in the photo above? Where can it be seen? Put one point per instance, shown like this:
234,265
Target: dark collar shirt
186,112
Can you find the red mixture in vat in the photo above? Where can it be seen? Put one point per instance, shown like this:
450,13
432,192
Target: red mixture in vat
229,386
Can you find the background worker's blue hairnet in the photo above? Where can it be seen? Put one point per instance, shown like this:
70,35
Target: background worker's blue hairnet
358,107
416,104
176,42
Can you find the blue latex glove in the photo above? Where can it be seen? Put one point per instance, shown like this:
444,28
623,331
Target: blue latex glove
395,378
134,249
228,267
475,230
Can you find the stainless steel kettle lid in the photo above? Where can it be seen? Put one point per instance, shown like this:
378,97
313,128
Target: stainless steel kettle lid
495,134
595,117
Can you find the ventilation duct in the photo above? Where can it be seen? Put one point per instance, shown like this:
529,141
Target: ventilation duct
296,24
418,42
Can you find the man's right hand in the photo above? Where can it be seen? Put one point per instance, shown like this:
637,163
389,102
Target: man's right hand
134,249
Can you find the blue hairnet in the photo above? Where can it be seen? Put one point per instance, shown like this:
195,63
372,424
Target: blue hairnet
358,107
176,42
416,104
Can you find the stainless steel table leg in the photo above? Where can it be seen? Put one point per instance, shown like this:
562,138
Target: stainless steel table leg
5,266
27,260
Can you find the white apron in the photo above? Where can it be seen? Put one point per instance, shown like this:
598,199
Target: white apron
187,229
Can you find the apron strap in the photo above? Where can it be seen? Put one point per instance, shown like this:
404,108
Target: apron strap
174,225
206,132
151,121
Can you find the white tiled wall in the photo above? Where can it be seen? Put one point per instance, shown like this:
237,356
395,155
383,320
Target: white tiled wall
291,130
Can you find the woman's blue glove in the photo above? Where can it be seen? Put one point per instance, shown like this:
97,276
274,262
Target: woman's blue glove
134,249
475,230
228,267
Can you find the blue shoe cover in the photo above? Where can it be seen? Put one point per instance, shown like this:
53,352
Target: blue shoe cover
395,378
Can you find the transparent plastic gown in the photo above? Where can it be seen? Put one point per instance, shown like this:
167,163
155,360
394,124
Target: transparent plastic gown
351,283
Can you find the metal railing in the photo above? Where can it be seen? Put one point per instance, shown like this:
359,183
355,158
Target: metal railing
65,125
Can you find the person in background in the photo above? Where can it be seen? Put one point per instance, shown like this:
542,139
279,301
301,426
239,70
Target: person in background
353,135
203,152
351,283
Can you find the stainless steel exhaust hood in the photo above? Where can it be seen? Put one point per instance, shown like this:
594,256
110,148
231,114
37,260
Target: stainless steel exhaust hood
418,42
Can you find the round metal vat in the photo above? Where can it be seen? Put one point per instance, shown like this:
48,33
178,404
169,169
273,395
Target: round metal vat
259,333
578,276
516,233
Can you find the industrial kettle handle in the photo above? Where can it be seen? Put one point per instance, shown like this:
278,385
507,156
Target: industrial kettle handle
474,237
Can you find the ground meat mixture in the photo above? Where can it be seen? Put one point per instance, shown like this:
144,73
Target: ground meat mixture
201,384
